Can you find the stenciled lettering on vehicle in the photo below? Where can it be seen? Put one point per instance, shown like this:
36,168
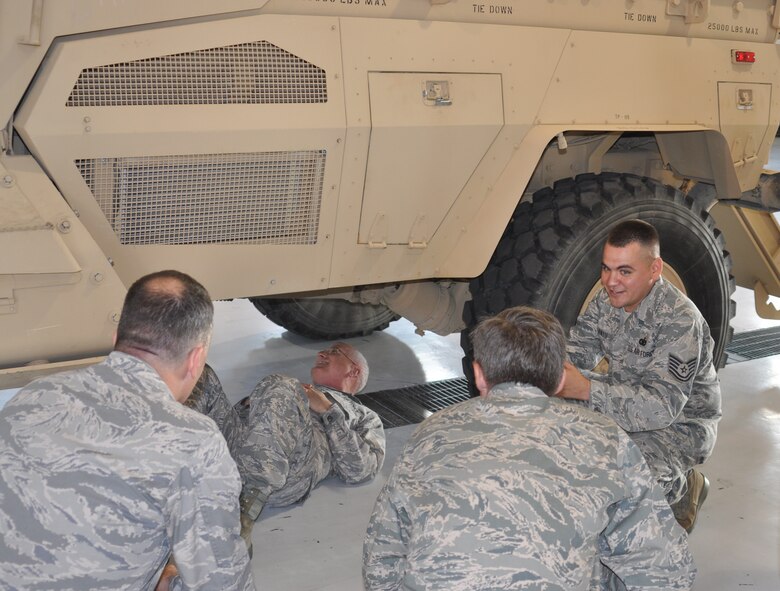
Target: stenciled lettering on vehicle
353,2
492,8
640,17
727,28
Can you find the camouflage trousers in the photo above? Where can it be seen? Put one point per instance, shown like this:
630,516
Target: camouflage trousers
282,454
672,452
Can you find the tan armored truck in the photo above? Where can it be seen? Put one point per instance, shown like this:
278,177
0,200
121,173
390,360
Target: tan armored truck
345,162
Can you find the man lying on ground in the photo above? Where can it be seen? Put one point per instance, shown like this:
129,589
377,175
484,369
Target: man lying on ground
286,436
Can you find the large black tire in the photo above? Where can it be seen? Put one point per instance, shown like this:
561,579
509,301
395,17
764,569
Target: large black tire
550,254
325,319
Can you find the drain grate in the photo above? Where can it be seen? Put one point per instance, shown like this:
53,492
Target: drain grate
754,344
407,406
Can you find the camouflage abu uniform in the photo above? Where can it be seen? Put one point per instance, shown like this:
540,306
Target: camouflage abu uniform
520,491
661,387
104,475
283,449
209,398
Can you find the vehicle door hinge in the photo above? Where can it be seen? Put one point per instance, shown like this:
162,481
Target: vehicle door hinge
377,235
36,18
418,234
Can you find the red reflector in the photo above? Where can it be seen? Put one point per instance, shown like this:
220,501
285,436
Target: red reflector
743,57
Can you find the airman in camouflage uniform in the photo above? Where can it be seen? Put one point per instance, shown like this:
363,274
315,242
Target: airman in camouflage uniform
105,474
661,385
518,490
286,436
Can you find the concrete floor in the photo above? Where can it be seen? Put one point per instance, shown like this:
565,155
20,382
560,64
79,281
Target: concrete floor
317,545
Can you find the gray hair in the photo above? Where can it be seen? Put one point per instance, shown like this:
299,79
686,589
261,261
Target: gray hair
521,344
358,359
167,314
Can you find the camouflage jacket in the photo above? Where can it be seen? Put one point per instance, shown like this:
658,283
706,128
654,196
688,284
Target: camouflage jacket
355,435
520,491
283,448
104,476
660,362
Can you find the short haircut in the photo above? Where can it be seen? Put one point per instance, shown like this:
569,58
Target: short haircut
357,358
631,231
360,360
523,345
166,313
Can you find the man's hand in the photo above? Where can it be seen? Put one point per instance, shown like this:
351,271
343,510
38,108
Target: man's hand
168,573
575,385
318,402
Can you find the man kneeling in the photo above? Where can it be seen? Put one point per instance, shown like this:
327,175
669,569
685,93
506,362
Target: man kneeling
520,490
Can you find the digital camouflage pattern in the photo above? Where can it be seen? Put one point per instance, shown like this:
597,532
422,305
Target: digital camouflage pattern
104,476
661,386
209,398
283,449
520,491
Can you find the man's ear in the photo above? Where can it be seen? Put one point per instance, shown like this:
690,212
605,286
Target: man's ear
657,267
479,379
196,359
113,340
560,384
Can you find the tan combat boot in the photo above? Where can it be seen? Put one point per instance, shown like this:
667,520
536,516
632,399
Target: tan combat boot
687,508
246,531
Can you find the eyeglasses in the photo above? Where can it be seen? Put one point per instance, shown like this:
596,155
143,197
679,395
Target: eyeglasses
335,349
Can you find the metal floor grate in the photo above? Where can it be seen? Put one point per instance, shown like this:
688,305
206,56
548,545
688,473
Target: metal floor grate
407,406
754,344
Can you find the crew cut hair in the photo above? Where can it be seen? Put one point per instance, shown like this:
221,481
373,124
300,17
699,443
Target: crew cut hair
631,231
523,345
167,314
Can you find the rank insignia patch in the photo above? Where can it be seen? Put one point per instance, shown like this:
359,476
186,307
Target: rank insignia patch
682,370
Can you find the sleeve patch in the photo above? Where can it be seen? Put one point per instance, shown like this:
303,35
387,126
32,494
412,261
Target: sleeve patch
682,370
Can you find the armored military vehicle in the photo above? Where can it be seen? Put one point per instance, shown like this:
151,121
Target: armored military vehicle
345,162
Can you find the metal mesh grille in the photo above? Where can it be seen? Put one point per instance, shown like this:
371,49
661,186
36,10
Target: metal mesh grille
414,404
754,344
249,73
254,198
